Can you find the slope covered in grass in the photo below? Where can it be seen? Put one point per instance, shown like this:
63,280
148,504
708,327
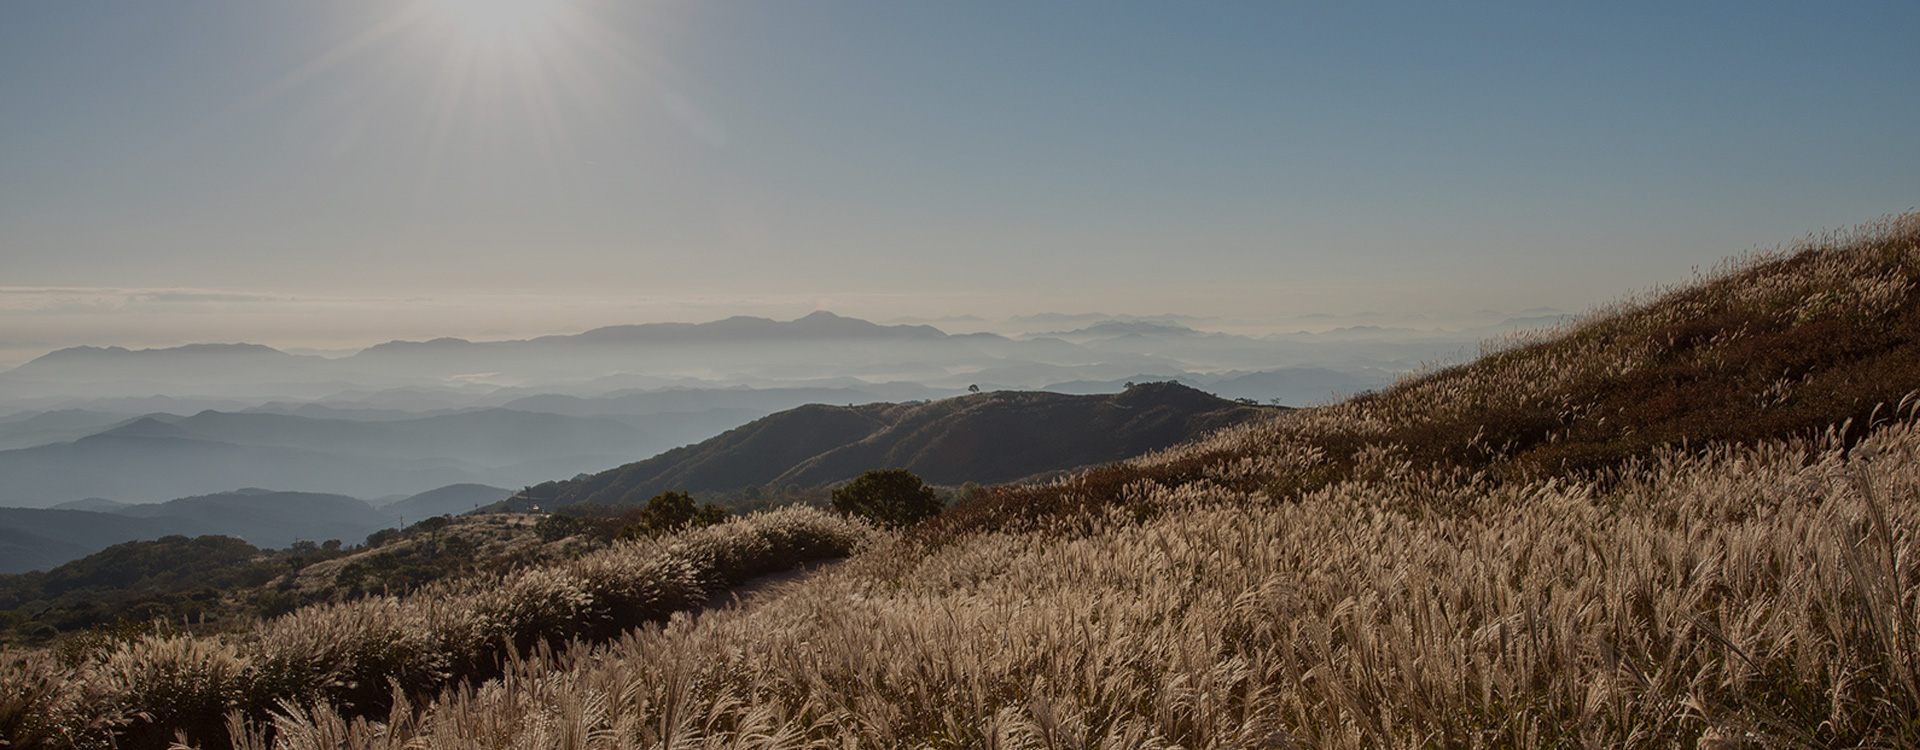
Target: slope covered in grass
1685,522
999,436
1672,524
1764,591
1772,346
358,657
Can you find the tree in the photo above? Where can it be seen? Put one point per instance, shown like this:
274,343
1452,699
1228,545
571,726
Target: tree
670,511
555,527
891,498
710,514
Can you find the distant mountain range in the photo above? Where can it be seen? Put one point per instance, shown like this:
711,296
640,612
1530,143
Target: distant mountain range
139,443
403,417
986,437
156,457
815,351
990,437
453,499
738,342
41,538
38,539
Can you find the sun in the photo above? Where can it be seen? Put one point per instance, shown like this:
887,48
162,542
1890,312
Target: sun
489,79
499,21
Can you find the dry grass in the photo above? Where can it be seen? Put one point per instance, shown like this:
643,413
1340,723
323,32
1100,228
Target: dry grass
1685,522
358,658
1765,593
1785,344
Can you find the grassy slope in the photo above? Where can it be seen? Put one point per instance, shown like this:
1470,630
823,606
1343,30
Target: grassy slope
1506,554
1777,346
984,437
360,656
1746,591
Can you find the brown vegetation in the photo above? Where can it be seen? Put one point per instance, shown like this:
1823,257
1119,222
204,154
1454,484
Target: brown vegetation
1764,593
1774,346
357,658
1688,522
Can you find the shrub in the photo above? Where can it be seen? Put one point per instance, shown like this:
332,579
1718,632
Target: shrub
161,686
35,699
891,498
669,512
555,527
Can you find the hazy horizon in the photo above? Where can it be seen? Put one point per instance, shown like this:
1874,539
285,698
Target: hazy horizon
328,340
329,175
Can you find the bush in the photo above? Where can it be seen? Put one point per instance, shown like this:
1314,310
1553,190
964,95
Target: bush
891,498
556,527
669,512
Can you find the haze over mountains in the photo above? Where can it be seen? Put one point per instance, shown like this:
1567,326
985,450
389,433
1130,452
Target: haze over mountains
39,538
150,425
818,350
106,444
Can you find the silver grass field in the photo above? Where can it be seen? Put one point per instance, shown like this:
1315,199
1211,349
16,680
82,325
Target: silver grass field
1747,594
1762,594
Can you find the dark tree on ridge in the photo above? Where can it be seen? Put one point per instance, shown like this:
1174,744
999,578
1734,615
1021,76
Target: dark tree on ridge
891,498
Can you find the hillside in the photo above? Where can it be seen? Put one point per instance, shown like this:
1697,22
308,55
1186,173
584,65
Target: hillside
143,465
268,518
1770,347
986,437
160,456
217,582
453,499
1686,521
38,539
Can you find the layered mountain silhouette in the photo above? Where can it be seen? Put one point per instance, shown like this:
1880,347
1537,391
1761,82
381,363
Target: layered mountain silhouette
162,456
40,538
266,518
987,437
818,350
453,499
218,361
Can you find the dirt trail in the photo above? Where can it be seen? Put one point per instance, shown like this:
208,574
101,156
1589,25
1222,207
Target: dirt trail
768,586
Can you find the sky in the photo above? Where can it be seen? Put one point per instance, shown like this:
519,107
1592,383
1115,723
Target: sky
336,174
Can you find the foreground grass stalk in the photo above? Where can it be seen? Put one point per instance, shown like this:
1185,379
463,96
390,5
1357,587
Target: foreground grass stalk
339,667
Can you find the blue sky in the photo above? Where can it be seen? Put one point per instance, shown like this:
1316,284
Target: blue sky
341,173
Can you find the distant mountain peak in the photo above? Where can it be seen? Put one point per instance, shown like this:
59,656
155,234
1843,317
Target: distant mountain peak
236,348
988,437
1136,328
146,427
444,342
96,353
820,324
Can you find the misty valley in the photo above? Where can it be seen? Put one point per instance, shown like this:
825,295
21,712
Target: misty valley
105,445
